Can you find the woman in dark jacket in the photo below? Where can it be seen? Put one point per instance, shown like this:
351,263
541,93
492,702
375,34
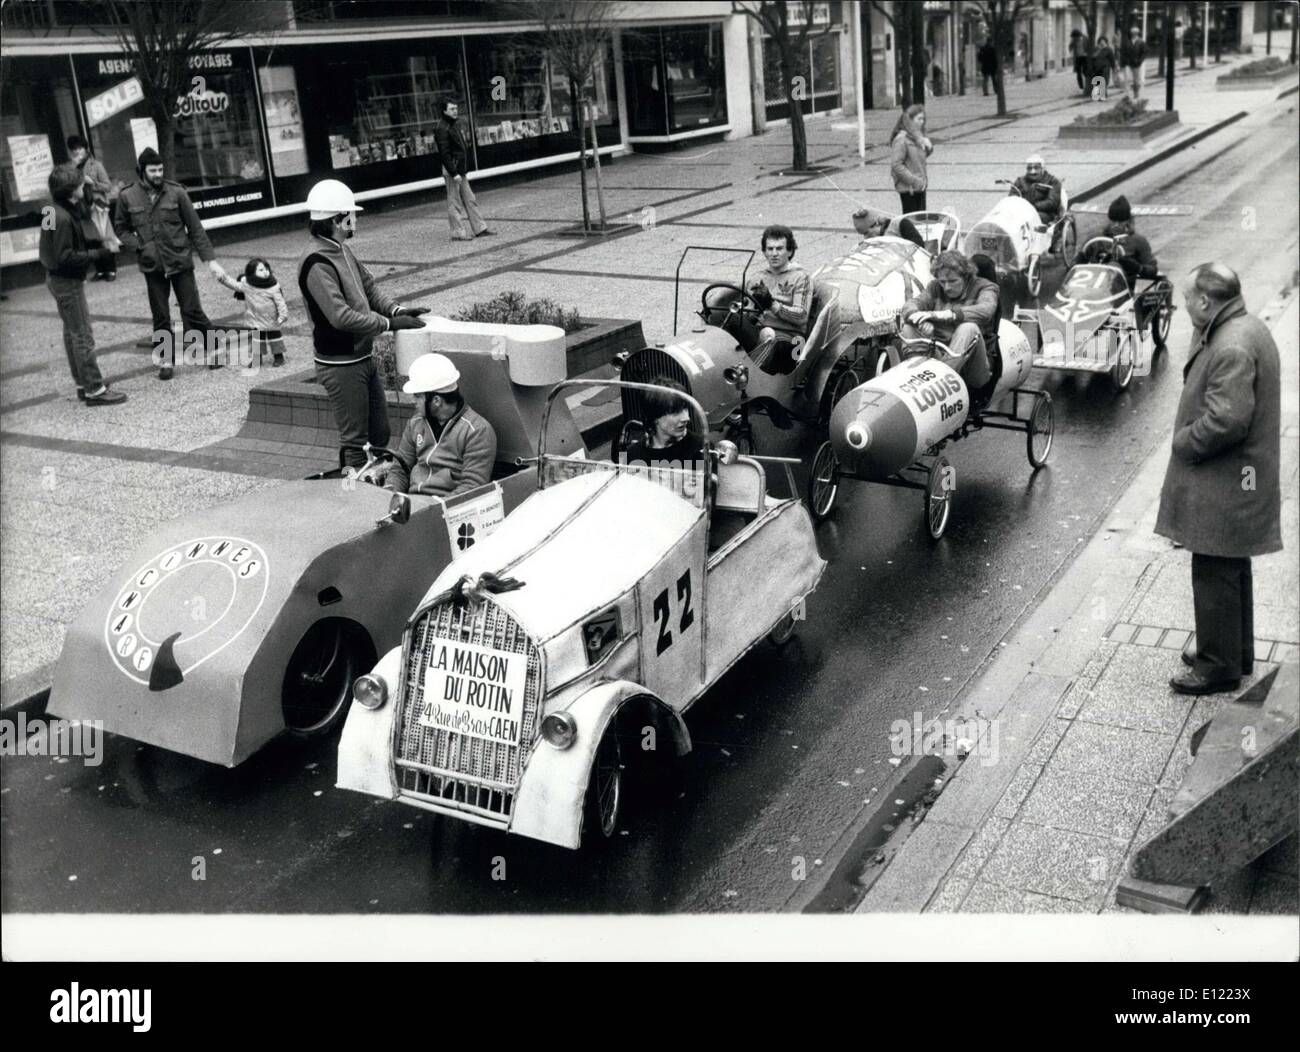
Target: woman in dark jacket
908,149
1103,61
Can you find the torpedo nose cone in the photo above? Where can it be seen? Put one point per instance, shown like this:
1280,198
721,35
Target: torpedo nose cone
857,435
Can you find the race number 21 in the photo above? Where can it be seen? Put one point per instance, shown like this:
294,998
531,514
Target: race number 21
662,612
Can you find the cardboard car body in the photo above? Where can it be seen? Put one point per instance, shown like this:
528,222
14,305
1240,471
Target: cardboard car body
623,599
190,643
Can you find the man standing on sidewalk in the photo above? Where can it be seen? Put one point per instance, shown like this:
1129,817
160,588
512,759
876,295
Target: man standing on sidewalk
462,206
155,215
1080,45
1133,57
1221,498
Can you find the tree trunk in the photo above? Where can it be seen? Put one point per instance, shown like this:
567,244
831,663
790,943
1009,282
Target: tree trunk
595,159
580,128
165,124
798,136
903,58
999,88
916,12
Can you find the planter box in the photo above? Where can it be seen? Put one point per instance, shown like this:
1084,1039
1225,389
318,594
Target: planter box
597,343
1254,82
1121,135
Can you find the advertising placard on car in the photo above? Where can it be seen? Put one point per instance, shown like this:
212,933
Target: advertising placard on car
474,690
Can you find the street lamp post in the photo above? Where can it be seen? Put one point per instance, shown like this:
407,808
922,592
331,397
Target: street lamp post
1268,29
1169,56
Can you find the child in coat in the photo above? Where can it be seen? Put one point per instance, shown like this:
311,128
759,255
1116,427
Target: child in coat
264,306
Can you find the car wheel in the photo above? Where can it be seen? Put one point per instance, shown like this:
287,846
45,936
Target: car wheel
841,382
1121,373
1042,428
823,482
1069,241
1160,324
783,632
604,799
1033,278
938,497
317,685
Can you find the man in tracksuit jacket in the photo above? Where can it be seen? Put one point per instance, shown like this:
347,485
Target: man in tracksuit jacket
348,310
447,448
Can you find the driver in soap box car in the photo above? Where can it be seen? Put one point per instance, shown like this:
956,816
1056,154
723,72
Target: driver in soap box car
783,292
446,447
961,308
670,441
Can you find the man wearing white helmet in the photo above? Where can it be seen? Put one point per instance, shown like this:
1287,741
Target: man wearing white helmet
348,310
1041,189
447,448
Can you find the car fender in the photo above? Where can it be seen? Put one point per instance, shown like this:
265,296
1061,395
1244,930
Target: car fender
548,803
365,761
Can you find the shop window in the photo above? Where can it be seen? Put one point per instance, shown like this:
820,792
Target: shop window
818,62
396,104
675,79
38,111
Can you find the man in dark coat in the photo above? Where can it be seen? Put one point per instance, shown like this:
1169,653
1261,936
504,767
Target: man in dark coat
987,57
1221,498
462,205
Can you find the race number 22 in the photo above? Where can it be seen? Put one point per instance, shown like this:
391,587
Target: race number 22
662,612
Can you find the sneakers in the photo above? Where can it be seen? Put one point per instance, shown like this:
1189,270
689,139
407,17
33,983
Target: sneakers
105,397
277,361
81,394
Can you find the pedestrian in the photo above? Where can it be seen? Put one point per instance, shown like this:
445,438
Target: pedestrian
453,151
155,215
908,150
348,310
265,310
1080,45
1221,498
1133,57
1103,64
987,57
66,258
101,193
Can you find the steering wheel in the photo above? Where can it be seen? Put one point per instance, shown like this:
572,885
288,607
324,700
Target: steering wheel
375,455
922,347
1100,250
1014,190
746,302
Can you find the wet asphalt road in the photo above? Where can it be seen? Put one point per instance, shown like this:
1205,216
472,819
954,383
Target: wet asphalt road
789,746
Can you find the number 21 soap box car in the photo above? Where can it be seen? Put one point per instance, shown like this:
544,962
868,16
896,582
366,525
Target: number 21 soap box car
605,605
233,624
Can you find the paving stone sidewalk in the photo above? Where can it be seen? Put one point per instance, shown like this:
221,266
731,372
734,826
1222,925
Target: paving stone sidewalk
1092,743
80,488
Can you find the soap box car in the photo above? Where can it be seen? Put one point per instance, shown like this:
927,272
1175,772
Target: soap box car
233,624
1014,237
605,605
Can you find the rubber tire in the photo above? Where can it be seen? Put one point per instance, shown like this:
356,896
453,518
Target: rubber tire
353,649
1121,378
1068,235
1043,400
1034,278
826,457
599,824
936,483
783,631
1160,325
838,384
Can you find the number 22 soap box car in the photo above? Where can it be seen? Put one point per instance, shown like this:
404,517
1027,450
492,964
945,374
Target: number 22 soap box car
236,623
604,606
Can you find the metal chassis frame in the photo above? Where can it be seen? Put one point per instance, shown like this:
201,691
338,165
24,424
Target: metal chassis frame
677,274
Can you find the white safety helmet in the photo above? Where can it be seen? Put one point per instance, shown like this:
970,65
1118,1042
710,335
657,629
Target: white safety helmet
329,197
432,374
1033,159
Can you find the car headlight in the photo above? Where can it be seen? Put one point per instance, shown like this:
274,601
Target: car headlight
560,730
370,690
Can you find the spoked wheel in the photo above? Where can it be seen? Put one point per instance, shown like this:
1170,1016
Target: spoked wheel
1121,373
842,381
1042,428
604,790
823,482
939,486
1069,239
879,359
1034,277
318,678
1160,324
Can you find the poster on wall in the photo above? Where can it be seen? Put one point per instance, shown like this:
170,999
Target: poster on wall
144,134
284,129
32,163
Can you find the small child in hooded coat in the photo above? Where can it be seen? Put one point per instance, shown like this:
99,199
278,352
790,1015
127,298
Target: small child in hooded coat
264,307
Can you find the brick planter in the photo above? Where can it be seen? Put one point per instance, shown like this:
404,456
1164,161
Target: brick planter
1255,81
1121,135
598,341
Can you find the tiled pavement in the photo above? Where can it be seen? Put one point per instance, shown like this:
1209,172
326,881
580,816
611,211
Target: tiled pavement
79,488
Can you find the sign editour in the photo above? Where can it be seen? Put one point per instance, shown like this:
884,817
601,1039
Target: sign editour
474,690
114,100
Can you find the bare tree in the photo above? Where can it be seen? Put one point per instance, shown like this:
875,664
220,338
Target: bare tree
791,43
1001,17
902,27
1088,12
160,37
577,35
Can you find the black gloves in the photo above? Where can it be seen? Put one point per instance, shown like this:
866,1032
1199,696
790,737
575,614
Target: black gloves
761,296
239,296
405,321
410,312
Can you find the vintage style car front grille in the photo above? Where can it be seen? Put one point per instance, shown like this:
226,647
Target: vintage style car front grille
453,771
644,367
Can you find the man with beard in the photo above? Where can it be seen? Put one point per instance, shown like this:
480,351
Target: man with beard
154,215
